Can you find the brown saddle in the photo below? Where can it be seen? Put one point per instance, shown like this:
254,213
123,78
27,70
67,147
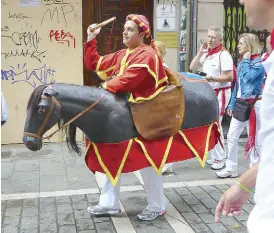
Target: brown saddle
161,116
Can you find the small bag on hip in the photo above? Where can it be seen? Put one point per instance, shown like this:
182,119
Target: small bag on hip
242,110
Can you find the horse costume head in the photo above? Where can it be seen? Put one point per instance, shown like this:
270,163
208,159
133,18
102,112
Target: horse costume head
43,112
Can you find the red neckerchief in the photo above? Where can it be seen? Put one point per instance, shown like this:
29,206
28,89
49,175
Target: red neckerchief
214,50
272,39
266,56
254,56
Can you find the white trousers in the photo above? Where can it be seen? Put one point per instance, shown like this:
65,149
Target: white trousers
153,184
235,129
218,153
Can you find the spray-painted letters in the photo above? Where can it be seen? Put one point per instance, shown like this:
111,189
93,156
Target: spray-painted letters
62,37
40,75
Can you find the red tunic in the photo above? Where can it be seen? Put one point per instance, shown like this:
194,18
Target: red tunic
139,71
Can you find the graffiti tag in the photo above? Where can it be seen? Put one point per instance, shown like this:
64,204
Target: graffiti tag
41,75
62,37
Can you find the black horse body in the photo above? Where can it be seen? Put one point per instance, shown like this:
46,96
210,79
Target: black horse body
110,121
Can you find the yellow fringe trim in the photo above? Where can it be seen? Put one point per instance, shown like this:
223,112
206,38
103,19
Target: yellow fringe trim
112,179
142,99
102,73
202,162
158,170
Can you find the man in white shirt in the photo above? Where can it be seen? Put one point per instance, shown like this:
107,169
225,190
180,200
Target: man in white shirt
217,63
260,15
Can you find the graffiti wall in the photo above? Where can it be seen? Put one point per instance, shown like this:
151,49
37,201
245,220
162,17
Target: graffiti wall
41,44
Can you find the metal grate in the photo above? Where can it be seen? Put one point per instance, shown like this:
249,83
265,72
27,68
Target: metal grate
235,23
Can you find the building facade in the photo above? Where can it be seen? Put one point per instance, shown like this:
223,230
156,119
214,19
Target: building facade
42,42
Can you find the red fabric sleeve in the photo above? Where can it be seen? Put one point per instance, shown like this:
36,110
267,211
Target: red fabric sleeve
129,80
91,57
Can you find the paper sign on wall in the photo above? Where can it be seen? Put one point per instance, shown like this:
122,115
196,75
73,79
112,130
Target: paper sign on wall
169,38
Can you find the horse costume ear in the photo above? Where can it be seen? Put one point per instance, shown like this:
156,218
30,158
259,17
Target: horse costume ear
50,92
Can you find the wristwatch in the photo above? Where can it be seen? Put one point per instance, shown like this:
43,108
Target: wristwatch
211,79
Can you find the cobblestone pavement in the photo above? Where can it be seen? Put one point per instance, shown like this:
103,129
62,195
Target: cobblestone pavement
49,191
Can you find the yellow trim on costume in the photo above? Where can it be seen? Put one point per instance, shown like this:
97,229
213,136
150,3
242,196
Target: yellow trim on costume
98,64
165,79
157,67
89,144
134,17
144,66
146,31
202,162
113,180
158,170
141,24
142,99
124,62
102,73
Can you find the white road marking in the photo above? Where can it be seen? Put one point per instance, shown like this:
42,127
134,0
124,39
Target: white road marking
139,177
122,222
123,189
176,221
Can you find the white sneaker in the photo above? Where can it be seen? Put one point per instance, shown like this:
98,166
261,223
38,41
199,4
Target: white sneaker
217,165
147,215
210,161
225,173
101,210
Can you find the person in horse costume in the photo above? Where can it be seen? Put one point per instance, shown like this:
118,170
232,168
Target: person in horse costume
132,70
116,141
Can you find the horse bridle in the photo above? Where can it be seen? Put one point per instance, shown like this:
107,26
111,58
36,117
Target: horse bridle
53,102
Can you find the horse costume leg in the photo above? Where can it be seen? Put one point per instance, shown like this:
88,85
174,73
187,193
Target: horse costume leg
110,195
155,189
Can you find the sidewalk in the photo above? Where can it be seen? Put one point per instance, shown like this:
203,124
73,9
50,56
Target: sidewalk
49,191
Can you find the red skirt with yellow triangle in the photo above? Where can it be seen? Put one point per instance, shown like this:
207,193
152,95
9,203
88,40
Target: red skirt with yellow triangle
137,153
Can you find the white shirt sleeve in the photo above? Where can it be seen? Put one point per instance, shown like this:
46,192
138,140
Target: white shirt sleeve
261,218
226,61
202,59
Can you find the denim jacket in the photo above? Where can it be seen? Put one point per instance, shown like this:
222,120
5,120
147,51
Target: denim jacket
250,75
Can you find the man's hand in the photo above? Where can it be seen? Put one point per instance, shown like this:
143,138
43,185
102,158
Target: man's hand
229,112
203,48
247,55
92,35
231,202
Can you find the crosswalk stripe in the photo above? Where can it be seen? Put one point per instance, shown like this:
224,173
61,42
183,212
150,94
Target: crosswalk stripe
130,188
176,221
122,222
139,177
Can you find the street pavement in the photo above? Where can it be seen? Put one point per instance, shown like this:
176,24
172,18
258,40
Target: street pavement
49,191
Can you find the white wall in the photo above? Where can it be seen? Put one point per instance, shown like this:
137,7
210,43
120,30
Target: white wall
34,54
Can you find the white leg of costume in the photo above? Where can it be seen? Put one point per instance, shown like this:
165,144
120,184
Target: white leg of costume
254,158
155,189
110,195
235,129
218,152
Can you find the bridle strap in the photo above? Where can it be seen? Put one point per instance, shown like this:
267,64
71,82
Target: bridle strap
76,117
37,135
